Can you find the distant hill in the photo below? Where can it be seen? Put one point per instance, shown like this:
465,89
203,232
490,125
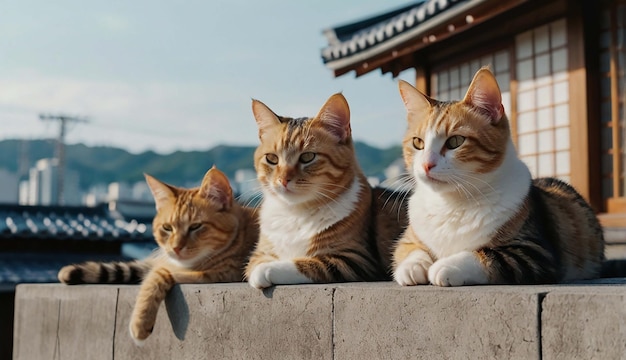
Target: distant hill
102,165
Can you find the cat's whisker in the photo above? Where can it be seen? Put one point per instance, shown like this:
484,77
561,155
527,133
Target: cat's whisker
469,174
332,199
254,199
404,190
462,190
333,185
464,183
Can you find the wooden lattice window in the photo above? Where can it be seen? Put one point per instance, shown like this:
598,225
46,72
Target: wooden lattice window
542,100
612,81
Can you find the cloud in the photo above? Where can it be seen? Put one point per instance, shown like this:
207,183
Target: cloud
159,115
113,23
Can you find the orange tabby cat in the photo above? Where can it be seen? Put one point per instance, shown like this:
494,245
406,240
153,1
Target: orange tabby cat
204,236
476,216
317,220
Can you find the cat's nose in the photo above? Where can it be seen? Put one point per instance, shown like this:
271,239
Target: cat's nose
284,181
178,249
428,166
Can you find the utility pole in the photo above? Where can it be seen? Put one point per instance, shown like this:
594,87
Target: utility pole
60,148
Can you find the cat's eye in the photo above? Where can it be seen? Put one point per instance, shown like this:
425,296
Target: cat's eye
272,159
194,226
167,227
418,143
307,157
454,142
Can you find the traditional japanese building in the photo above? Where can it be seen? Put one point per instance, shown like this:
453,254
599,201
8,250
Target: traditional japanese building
560,65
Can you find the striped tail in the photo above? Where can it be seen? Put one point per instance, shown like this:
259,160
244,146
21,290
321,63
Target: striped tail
91,272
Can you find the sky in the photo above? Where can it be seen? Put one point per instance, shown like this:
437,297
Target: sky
180,75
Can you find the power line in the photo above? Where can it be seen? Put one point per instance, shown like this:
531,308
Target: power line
63,120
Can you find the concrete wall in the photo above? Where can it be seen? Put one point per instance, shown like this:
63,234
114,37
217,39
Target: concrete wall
334,321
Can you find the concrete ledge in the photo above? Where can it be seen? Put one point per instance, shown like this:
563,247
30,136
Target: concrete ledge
332,321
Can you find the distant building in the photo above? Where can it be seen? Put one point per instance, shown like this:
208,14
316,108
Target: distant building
119,191
41,188
9,187
96,194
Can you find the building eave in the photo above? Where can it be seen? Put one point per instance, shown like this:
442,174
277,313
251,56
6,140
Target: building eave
446,24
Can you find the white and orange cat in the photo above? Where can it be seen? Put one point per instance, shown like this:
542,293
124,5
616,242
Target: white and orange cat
204,236
475,215
318,223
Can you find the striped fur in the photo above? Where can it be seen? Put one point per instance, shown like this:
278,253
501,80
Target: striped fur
92,272
316,218
204,236
476,216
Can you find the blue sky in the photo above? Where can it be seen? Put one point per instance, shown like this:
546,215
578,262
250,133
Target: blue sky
180,75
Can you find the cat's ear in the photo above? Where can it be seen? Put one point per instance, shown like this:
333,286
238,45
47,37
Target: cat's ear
265,118
484,94
334,116
162,193
216,187
415,102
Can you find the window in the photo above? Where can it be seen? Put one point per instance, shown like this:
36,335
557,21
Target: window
452,83
542,94
612,74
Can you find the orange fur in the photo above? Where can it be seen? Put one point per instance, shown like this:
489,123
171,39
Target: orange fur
308,170
204,236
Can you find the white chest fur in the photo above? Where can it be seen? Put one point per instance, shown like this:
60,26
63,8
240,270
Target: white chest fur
290,228
451,224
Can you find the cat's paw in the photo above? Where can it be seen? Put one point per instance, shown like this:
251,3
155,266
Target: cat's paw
413,270
276,272
260,276
459,269
139,331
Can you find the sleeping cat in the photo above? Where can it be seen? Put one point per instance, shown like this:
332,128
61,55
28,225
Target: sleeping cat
204,236
476,216
317,221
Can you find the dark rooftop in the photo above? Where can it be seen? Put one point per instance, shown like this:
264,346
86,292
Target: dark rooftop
69,222
36,241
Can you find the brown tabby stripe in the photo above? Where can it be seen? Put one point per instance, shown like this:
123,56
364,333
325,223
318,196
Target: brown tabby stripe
104,274
119,273
483,145
76,276
337,268
135,275
533,255
330,159
440,121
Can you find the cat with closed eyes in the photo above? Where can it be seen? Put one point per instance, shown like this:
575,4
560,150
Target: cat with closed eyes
204,236
476,216
320,221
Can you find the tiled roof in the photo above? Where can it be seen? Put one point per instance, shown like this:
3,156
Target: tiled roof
69,222
363,39
18,268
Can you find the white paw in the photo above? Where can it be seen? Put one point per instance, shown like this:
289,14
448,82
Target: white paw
260,276
276,272
457,270
413,270
135,331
